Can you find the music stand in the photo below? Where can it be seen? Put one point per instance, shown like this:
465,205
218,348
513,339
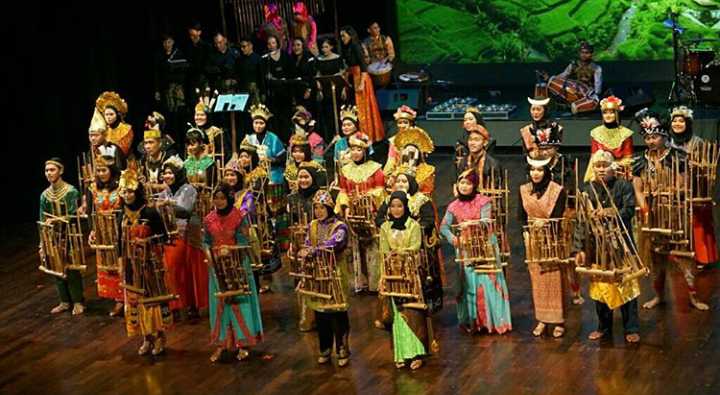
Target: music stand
232,103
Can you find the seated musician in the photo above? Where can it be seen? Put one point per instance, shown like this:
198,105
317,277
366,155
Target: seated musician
585,72
235,321
138,221
362,180
483,299
58,200
328,232
609,295
660,158
542,198
378,47
410,332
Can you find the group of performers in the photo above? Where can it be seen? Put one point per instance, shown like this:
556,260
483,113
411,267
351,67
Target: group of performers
181,236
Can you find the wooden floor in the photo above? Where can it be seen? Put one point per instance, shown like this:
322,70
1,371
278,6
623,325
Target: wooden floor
40,353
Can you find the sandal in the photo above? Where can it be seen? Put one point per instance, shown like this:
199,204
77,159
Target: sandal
632,338
145,347
118,310
60,308
217,355
159,346
596,335
399,365
559,331
242,354
324,357
539,329
416,364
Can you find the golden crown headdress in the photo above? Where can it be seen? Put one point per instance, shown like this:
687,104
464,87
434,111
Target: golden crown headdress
97,123
359,139
105,161
298,139
405,169
111,99
324,197
405,112
260,111
234,164
681,111
611,103
414,136
152,134
129,179
206,100
174,161
349,112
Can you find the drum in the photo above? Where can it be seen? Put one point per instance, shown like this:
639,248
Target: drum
707,85
145,271
478,246
380,73
400,278
105,229
232,278
548,241
569,90
321,281
61,242
694,60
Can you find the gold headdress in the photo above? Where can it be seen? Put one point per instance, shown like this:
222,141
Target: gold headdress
174,161
414,136
611,103
206,101
97,123
681,111
349,112
260,111
324,197
129,179
111,99
245,146
234,164
405,112
56,163
297,139
105,161
405,169
152,134
359,139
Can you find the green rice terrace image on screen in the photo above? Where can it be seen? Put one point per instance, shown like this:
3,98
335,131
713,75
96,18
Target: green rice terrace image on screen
519,31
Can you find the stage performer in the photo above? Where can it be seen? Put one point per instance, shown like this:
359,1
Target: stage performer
613,137
114,109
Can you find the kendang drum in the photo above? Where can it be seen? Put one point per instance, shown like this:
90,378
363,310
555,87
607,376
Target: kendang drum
380,73
569,90
695,59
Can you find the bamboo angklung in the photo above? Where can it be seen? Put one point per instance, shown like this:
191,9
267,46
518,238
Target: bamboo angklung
105,229
298,232
499,192
475,247
232,278
615,256
62,241
400,278
548,241
146,269
320,279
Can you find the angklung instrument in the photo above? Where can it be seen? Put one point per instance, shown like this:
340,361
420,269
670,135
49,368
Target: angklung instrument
400,277
611,255
478,246
232,278
61,245
496,187
320,280
298,232
145,271
105,230
548,241
668,195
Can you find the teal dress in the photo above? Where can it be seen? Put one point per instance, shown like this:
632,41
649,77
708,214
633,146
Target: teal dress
237,318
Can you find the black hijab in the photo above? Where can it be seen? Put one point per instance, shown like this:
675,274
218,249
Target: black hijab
682,138
180,177
413,186
314,186
140,199
227,191
399,223
474,180
540,188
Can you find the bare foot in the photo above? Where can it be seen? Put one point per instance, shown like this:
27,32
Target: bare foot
416,364
539,329
652,303
632,338
596,335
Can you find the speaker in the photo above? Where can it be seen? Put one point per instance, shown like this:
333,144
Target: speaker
391,99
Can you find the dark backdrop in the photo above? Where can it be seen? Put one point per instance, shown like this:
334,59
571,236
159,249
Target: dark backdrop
62,56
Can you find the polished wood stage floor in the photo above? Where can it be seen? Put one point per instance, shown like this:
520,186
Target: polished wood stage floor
46,354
